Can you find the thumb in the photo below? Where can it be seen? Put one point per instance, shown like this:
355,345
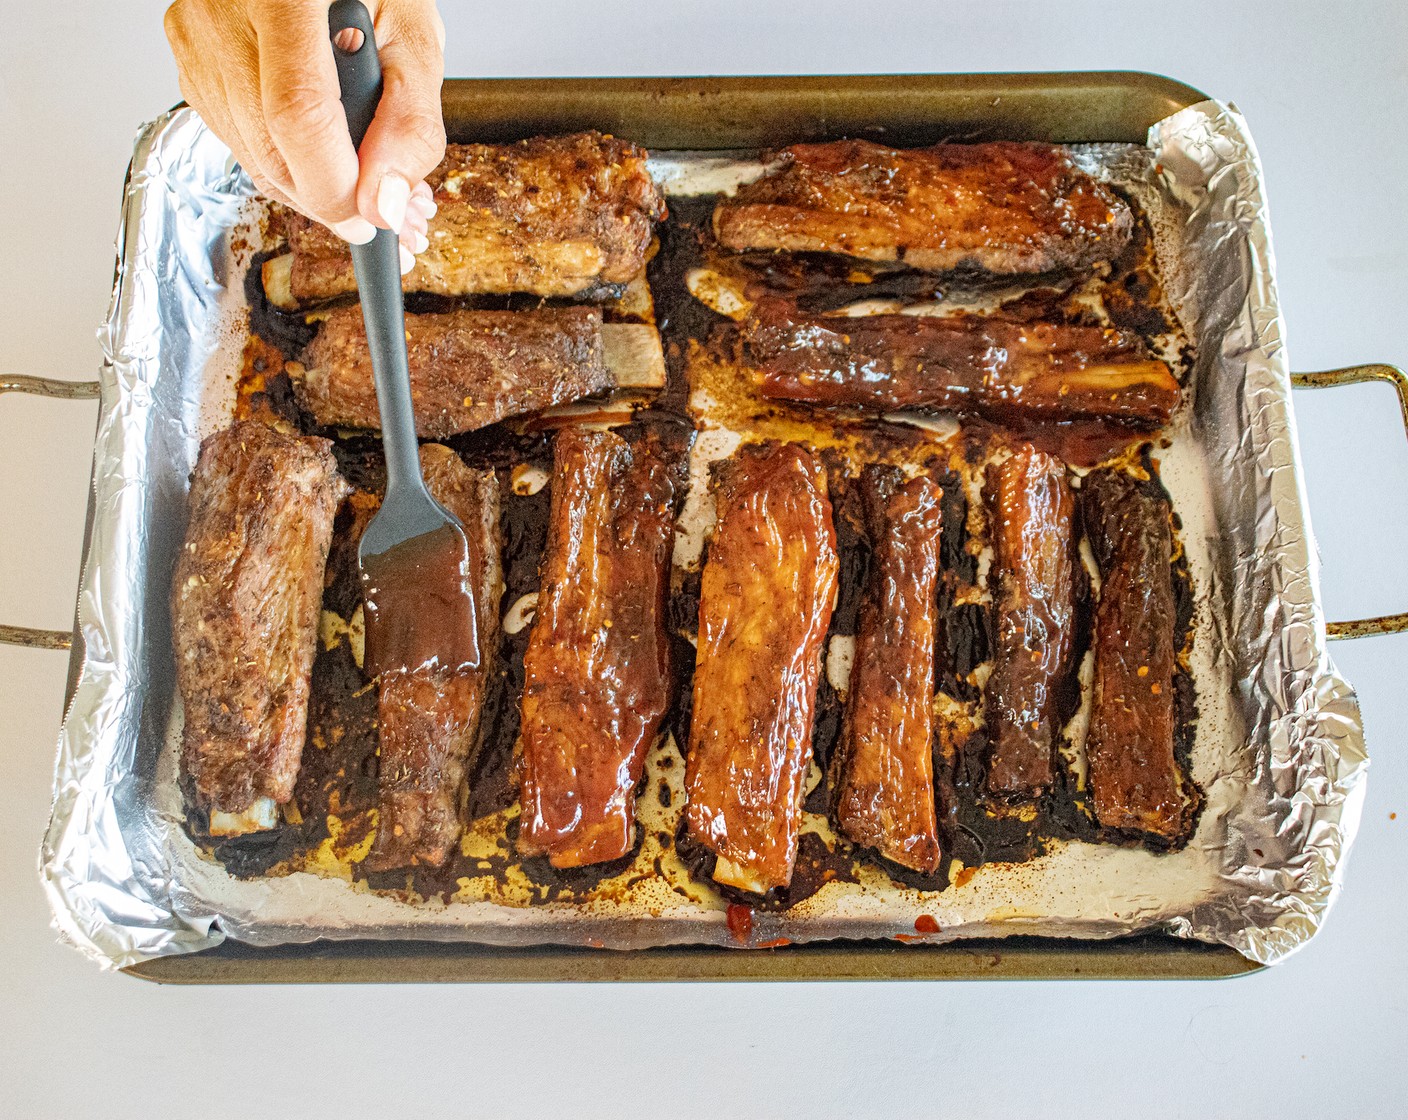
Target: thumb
406,139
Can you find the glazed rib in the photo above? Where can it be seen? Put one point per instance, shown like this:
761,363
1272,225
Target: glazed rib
1135,780
766,597
885,769
971,365
1002,206
552,216
468,369
1031,511
245,601
596,671
429,719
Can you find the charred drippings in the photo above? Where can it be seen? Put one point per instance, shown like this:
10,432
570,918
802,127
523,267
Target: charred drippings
963,638
853,545
976,832
429,303
820,282
678,315
816,865
256,854
1185,694
854,549
683,624
959,563
964,642
1134,296
287,331
556,884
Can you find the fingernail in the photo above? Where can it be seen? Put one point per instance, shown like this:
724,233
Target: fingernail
355,231
408,262
423,206
420,243
392,195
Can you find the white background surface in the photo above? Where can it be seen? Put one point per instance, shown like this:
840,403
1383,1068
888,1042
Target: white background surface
1325,89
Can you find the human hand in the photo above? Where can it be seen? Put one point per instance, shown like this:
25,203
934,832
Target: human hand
261,75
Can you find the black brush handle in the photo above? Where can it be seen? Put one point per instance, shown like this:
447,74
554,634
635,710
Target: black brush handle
378,262
359,71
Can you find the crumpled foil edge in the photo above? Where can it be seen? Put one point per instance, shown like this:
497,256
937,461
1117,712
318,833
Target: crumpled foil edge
107,887
1310,766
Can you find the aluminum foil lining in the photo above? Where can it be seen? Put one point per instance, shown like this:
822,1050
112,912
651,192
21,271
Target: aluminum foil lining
1279,747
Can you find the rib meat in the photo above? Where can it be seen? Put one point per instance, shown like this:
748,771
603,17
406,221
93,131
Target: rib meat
1031,511
429,719
766,598
596,671
1136,783
245,602
552,216
468,369
1001,206
972,365
884,768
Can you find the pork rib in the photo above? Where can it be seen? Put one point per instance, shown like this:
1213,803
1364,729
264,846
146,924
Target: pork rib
429,718
972,365
245,602
597,670
766,598
1135,781
1002,206
551,216
468,369
1031,511
884,769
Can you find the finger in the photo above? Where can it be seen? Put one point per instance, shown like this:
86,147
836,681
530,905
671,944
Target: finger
414,239
415,221
249,141
423,200
298,93
224,126
257,154
269,171
407,136
415,231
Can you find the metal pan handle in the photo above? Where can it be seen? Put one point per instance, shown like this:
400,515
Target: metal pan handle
1356,375
64,391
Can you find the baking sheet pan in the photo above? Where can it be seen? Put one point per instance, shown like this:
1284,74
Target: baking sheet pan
727,113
